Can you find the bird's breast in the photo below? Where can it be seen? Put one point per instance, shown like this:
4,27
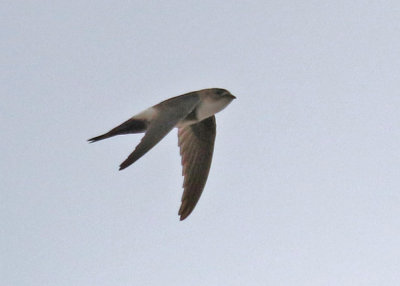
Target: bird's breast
208,107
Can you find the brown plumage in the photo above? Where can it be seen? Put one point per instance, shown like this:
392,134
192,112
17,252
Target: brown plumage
193,114
196,144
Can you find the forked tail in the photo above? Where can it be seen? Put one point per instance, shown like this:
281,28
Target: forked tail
128,127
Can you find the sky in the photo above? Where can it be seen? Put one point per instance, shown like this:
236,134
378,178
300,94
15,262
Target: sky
305,179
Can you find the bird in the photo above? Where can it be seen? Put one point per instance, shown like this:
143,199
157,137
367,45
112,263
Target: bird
193,114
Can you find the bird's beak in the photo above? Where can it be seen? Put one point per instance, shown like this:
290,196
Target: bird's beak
232,96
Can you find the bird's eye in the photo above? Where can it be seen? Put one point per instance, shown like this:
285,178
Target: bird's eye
221,92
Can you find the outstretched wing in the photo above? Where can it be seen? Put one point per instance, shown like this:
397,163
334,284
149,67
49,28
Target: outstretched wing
196,144
168,113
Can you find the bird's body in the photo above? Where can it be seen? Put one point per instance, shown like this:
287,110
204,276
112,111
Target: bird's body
193,114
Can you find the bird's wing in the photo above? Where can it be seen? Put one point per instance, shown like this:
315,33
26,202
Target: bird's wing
196,144
168,113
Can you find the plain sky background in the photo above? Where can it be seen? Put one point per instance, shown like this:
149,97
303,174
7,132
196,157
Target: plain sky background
304,188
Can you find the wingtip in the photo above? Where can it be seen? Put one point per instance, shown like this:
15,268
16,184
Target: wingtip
184,211
181,218
125,164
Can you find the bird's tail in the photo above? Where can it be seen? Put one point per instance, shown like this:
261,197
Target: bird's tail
130,126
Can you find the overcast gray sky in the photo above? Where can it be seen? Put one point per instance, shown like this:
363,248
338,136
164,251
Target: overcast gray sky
305,181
